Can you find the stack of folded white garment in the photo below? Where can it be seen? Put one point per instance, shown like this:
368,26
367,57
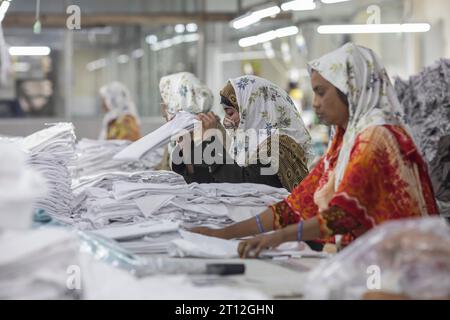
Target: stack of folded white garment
199,204
94,156
35,264
51,151
89,188
59,198
58,139
183,121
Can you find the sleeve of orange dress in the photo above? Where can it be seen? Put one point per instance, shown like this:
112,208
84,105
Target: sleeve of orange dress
299,205
124,128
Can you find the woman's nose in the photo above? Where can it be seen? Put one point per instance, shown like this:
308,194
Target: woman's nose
315,103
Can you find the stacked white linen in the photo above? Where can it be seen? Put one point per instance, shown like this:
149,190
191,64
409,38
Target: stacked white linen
34,264
59,198
128,203
206,204
51,151
94,156
58,139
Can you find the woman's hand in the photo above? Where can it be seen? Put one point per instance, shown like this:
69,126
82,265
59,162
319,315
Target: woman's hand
209,121
217,233
252,248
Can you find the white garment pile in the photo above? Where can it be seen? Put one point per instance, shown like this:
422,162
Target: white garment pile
201,204
95,206
34,264
105,180
59,198
158,138
20,186
94,156
128,203
58,139
51,151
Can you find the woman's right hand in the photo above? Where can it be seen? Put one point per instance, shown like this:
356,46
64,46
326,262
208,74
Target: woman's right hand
216,233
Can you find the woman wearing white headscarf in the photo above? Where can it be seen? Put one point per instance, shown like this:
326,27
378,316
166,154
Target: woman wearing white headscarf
182,91
121,120
372,171
266,142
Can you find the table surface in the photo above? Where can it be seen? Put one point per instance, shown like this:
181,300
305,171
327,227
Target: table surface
276,278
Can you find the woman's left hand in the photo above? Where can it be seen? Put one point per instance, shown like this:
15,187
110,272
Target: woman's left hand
252,248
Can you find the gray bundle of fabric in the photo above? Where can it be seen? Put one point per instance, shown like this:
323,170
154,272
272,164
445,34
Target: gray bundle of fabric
426,101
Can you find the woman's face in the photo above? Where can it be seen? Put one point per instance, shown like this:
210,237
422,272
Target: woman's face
328,105
231,120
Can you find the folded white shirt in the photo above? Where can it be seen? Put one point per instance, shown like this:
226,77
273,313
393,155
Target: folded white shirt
161,136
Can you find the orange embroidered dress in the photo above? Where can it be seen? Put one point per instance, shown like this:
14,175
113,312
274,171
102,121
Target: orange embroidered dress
372,171
385,179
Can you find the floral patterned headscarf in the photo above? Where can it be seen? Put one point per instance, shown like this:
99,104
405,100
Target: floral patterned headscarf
358,73
184,92
119,102
265,107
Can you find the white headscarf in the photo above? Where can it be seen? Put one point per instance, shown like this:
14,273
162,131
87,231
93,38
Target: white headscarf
185,92
265,107
358,73
118,100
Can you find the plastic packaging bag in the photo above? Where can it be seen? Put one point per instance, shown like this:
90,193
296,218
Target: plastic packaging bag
407,257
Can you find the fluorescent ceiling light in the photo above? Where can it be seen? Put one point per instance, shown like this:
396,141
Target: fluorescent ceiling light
3,8
285,32
175,40
29,51
123,58
333,1
191,27
151,39
138,53
374,28
268,36
97,64
191,37
299,5
179,28
255,16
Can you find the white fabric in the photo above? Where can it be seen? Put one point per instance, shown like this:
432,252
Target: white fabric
358,73
119,102
34,264
20,186
159,137
95,156
268,109
57,139
200,246
160,287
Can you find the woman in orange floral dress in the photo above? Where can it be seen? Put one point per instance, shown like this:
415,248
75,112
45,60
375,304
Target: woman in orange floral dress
372,172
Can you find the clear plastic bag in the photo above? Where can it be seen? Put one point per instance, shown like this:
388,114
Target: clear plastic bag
407,257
